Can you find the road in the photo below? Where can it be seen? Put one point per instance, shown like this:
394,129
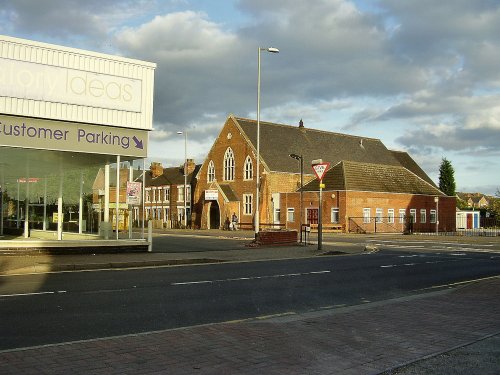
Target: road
83,305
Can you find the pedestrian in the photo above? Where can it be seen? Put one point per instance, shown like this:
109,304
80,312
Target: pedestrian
234,221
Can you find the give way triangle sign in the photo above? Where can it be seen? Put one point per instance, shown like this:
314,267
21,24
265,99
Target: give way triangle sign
320,169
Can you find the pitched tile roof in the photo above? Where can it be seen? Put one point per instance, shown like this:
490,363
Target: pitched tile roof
229,192
277,141
356,176
406,161
170,176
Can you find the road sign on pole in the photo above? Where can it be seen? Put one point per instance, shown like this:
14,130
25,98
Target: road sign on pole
320,169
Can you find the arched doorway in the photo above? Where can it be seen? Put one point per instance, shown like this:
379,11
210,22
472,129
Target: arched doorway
214,216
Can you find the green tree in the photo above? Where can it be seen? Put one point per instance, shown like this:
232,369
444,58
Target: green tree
447,178
494,207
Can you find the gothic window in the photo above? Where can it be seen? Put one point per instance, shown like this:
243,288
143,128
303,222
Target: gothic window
229,165
248,170
211,171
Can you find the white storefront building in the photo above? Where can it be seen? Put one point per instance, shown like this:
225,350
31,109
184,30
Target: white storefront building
65,113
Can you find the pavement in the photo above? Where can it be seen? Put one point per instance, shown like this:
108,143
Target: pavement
450,331
236,251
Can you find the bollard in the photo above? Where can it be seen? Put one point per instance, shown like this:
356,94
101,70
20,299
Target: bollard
150,236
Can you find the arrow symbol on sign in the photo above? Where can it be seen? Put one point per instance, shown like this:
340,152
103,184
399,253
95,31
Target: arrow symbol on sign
138,143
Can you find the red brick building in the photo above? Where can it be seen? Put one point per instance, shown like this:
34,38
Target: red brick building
164,195
367,176
367,198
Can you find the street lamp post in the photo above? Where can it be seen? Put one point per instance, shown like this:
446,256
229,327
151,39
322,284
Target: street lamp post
301,159
272,50
185,175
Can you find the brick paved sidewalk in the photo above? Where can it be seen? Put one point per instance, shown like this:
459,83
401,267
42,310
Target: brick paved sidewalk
366,339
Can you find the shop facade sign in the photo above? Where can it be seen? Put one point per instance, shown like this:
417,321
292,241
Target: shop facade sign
42,134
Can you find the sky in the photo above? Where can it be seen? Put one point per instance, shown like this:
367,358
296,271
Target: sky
423,76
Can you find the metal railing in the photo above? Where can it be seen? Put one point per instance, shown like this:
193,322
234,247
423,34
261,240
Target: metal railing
447,226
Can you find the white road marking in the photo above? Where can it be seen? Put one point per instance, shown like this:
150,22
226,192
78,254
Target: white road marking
31,294
426,262
250,278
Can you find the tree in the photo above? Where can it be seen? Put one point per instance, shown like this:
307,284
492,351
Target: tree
447,178
494,207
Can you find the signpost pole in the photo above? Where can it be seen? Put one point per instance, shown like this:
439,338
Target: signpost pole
130,179
320,169
320,218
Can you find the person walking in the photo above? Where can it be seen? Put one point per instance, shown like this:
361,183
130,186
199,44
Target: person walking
234,222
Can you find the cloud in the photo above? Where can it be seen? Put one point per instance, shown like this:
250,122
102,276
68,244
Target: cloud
200,67
85,24
426,70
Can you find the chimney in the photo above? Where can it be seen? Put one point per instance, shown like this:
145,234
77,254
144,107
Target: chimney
301,123
190,166
156,169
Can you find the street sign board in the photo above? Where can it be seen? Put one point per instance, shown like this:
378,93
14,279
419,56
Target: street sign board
320,169
211,195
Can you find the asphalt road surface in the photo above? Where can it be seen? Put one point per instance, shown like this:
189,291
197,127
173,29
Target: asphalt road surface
62,307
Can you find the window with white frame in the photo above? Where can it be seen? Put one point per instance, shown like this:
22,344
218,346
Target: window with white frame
423,215
158,213
166,194
413,215
290,214
180,193
148,195
166,214
247,204
211,171
154,191
229,165
188,196
277,215
248,169
379,214
390,215
148,213
366,215
433,216
402,215
180,214
335,215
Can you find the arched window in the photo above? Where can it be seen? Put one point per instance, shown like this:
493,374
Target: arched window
229,165
211,171
248,169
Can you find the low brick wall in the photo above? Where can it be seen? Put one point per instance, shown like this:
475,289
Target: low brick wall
276,237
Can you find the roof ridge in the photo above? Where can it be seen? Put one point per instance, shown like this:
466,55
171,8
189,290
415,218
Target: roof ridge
306,128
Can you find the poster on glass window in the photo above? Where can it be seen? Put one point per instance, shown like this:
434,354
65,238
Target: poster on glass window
134,190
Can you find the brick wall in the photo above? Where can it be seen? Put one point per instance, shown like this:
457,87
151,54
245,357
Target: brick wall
271,182
351,205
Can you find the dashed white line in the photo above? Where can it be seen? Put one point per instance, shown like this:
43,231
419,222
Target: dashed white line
31,294
250,278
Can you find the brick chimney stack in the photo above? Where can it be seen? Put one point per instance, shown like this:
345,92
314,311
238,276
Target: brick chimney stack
156,169
190,166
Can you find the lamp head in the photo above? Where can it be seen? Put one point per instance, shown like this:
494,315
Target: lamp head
179,132
273,50
295,156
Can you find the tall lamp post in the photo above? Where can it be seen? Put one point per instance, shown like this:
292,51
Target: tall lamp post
301,160
185,175
272,50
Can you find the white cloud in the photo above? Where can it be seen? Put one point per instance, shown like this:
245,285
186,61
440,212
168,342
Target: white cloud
425,70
